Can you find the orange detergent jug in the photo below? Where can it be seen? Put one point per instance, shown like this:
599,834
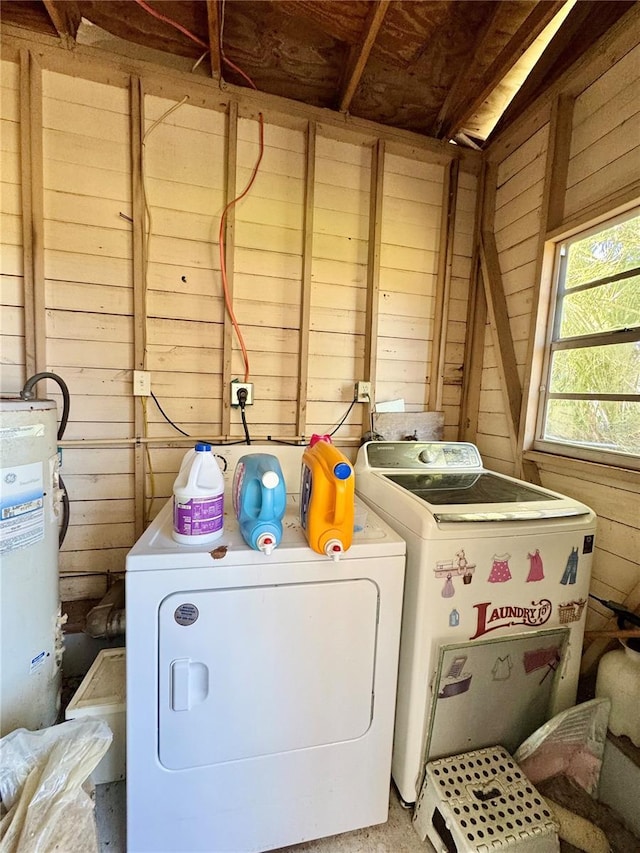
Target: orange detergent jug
326,498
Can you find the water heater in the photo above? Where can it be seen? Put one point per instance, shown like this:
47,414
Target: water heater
30,625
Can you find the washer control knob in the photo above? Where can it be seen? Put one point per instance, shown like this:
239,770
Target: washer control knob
427,456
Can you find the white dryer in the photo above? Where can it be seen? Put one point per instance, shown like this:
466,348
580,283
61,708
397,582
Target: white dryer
260,689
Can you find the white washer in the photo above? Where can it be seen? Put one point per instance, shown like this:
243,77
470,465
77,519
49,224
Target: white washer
260,689
487,556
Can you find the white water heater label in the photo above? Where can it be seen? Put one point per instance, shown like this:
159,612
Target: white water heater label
21,506
37,661
26,431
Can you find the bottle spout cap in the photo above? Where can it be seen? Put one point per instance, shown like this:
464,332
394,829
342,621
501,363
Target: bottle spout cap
315,438
270,480
333,549
266,543
342,471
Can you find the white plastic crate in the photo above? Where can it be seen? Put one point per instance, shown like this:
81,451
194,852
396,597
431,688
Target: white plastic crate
481,801
102,694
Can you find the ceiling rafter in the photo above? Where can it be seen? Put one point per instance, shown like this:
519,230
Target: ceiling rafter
359,54
461,84
213,22
518,44
418,66
65,16
565,47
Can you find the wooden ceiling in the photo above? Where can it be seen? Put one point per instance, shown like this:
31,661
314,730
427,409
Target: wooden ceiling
423,65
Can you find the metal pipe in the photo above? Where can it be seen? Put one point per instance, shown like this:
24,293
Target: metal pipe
107,619
297,441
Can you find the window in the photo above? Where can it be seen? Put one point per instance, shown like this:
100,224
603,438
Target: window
590,398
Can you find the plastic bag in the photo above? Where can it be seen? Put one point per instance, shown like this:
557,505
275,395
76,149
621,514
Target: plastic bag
41,777
571,744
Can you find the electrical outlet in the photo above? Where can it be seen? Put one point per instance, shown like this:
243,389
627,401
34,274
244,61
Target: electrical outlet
141,383
236,386
363,392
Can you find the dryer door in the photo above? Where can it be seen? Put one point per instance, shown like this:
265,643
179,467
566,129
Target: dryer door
261,670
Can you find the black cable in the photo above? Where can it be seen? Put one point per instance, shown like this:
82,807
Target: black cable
346,415
241,394
224,462
90,574
28,393
245,427
66,512
182,432
621,612
303,443
166,416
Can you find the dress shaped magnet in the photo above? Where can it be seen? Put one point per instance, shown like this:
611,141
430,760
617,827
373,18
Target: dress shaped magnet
500,571
448,590
536,569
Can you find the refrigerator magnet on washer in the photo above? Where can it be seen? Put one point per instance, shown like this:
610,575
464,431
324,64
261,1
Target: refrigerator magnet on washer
456,681
448,590
536,568
571,611
500,572
570,573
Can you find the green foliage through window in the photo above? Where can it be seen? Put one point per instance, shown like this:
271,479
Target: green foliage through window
592,394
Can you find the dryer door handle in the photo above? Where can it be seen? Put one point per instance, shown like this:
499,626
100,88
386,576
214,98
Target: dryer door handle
180,684
189,683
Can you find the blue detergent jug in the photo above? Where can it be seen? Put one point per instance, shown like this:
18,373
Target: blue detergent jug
259,500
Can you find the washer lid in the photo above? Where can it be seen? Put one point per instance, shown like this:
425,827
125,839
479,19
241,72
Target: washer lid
420,483
482,497
439,489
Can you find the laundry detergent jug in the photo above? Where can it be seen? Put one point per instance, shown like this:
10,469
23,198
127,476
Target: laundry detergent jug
326,498
198,498
259,500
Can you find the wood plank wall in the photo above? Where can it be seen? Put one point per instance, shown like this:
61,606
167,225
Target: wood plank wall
456,326
602,172
412,204
299,258
338,293
12,297
606,136
519,188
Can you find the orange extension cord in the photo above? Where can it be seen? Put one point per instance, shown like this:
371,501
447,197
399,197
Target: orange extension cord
221,243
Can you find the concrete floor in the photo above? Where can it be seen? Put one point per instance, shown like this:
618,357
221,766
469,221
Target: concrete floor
395,836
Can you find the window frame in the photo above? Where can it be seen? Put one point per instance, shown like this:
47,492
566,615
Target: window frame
553,343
